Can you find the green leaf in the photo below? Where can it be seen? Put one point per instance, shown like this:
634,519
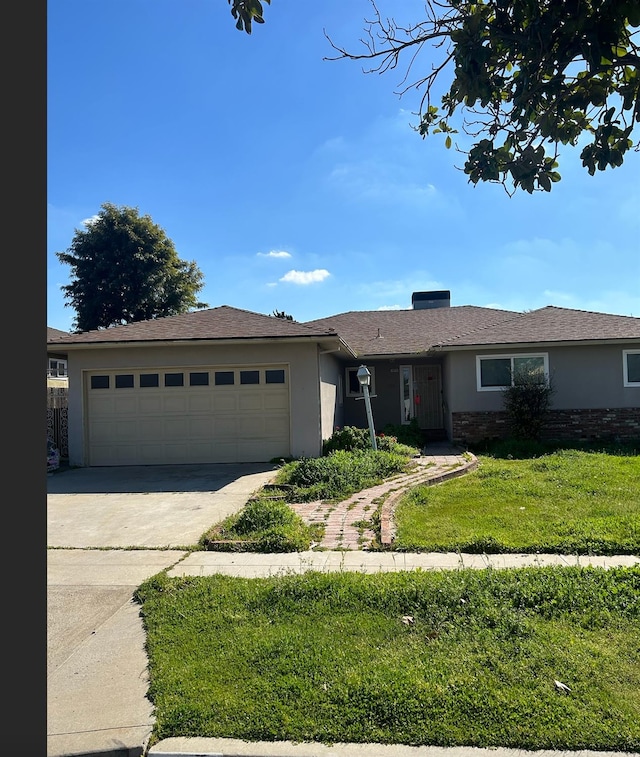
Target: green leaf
447,142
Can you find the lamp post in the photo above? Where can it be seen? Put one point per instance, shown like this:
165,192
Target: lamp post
364,377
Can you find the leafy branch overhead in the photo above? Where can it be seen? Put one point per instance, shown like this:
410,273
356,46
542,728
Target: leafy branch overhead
528,76
246,12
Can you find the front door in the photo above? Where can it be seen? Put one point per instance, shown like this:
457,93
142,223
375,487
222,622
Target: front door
427,396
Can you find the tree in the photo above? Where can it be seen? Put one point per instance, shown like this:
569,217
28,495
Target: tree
528,77
282,314
247,11
124,268
527,402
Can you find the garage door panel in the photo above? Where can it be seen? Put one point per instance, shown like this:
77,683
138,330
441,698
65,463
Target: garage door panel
279,401
225,427
127,431
153,425
150,428
150,403
175,404
175,428
199,403
200,428
225,402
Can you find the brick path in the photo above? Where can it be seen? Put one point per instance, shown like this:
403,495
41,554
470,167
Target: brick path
347,523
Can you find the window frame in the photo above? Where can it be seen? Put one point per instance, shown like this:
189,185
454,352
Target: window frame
60,370
347,382
511,356
625,368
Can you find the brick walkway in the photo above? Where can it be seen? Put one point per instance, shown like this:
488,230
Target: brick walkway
348,523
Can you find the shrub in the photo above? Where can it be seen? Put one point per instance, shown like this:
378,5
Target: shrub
260,515
341,473
527,403
406,433
349,439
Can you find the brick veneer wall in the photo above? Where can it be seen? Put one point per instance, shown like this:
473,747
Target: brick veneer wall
621,423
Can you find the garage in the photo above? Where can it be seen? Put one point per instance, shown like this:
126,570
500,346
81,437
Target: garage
166,415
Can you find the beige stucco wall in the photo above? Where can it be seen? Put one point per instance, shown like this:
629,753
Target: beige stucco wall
331,403
583,377
304,387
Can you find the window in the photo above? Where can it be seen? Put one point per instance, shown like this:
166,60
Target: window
353,385
124,381
274,376
631,367
149,380
249,377
224,378
496,372
406,393
57,368
199,379
173,379
99,382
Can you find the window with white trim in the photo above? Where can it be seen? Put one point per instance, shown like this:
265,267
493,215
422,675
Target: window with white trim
57,368
497,372
631,367
353,386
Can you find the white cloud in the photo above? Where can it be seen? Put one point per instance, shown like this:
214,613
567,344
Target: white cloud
275,254
90,221
391,307
305,277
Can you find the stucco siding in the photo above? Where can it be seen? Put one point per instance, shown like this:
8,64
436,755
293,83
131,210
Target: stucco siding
584,377
331,395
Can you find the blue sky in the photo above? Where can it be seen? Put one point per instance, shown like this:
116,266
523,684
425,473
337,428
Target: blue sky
297,183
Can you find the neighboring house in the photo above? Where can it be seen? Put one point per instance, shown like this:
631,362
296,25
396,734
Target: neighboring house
229,385
57,375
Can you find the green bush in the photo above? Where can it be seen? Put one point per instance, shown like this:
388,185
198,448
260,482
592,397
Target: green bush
406,433
527,404
340,473
261,515
392,439
349,439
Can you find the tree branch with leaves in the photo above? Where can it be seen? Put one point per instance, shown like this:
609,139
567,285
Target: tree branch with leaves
528,77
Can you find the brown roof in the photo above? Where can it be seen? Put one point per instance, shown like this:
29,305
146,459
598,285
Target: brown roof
377,332
55,333
408,332
223,322
552,324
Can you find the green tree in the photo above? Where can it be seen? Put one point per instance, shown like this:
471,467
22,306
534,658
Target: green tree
282,314
124,268
522,78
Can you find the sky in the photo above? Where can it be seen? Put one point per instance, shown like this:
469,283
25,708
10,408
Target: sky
297,183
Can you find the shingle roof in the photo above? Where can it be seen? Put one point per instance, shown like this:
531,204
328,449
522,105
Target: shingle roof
552,324
408,332
55,333
222,322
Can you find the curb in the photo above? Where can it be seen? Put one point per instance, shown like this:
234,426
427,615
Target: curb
387,526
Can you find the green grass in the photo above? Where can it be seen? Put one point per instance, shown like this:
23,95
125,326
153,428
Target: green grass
568,501
451,658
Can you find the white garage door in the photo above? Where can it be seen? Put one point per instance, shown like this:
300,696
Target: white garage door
176,416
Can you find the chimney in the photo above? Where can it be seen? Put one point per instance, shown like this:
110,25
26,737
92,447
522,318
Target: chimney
424,300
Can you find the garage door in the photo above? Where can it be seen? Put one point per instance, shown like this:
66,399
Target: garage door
199,415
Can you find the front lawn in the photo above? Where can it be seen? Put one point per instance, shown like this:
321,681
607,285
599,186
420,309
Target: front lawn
568,501
451,658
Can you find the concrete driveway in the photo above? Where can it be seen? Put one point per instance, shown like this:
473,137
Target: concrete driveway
96,661
159,506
